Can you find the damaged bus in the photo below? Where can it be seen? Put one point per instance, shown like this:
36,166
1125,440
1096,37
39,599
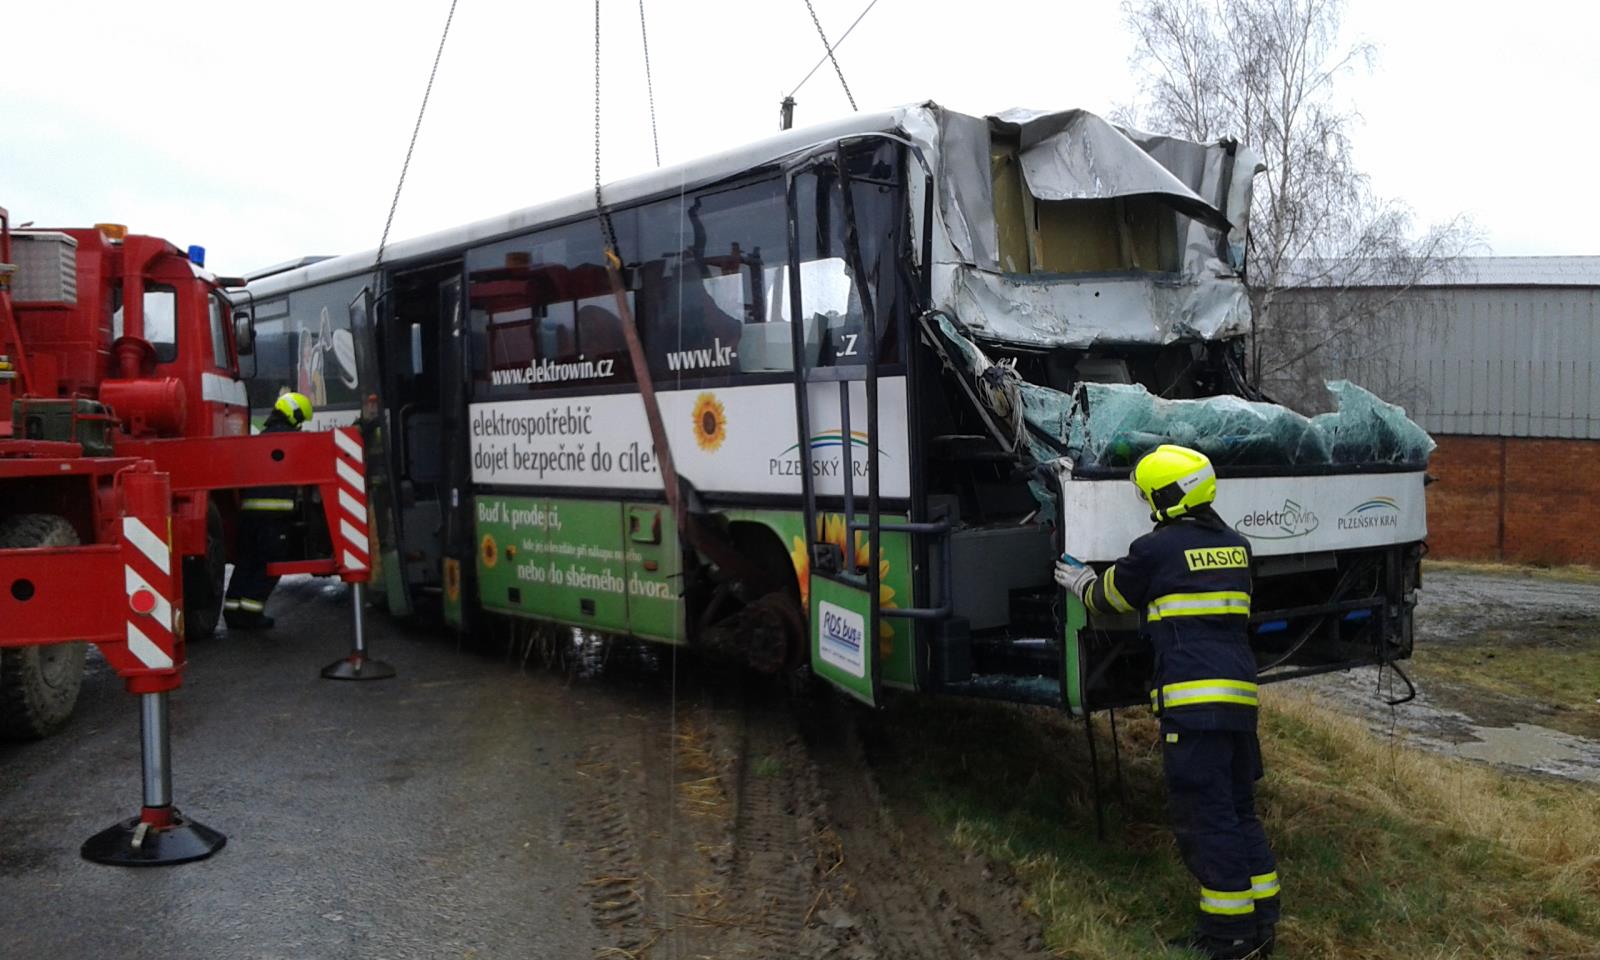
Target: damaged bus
899,363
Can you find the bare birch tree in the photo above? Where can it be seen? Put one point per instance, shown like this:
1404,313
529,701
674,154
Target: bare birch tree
1326,257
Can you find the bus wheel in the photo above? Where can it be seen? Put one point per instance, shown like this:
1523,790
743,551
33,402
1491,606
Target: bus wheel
38,685
202,581
763,634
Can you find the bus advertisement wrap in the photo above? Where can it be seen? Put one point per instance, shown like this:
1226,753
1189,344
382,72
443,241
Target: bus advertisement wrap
592,563
733,440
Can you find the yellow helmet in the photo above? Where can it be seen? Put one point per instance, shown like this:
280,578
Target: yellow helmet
295,406
1174,480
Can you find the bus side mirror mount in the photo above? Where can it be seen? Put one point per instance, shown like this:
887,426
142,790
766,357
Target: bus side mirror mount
244,332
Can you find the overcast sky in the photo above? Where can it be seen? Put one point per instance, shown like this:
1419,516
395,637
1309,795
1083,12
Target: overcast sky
266,131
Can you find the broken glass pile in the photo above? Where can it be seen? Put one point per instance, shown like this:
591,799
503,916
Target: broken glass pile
1112,425
1109,426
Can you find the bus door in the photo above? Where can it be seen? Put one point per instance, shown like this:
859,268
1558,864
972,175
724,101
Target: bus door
843,550
423,364
410,359
458,571
366,330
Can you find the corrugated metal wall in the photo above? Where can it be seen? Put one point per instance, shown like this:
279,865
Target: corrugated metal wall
1488,361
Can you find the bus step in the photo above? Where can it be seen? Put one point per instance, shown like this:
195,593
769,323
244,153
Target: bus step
1017,657
1041,689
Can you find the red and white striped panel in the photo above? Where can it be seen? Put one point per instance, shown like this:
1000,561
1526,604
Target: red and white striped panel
148,579
350,539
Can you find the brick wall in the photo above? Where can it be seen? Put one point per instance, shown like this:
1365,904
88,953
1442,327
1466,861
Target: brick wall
1519,500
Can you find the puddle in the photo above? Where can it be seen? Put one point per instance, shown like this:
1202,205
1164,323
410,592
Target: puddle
1535,748
1427,723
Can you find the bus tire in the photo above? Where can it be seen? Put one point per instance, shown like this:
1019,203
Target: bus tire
769,632
202,580
38,685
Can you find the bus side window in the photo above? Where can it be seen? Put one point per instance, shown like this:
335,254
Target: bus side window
830,290
709,271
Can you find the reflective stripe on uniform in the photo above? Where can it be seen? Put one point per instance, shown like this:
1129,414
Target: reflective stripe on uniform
1113,595
1226,902
1199,604
1192,692
230,604
1264,885
254,606
266,503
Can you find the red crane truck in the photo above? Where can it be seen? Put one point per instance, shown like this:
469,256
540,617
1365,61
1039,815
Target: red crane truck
124,445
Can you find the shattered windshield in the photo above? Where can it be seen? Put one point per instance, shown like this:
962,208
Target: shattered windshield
1103,427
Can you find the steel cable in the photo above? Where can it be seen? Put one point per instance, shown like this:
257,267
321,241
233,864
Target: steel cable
845,36
427,92
649,84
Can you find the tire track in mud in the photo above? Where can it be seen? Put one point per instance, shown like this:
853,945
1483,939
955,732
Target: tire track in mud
744,826
774,870
617,890
910,893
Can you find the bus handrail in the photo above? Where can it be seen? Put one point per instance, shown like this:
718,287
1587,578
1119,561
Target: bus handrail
940,528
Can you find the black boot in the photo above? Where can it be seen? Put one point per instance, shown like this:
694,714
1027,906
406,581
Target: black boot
1266,938
247,621
1218,948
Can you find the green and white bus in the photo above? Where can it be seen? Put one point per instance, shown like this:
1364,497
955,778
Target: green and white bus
901,362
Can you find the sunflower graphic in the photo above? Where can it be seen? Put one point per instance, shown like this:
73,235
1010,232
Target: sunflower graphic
488,550
831,529
452,579
710,422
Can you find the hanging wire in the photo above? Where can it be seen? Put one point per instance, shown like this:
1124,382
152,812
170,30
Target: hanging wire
383,242
826,46
649,84
824,57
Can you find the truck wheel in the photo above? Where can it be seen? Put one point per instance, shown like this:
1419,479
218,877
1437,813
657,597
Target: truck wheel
202,581
38,685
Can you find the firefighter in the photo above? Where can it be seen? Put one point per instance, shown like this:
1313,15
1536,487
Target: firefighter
265,519
1190,578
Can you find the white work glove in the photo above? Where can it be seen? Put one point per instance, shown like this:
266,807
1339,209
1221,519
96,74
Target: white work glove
1077,578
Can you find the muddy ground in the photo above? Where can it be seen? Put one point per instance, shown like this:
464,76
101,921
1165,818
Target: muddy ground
1507,671
482,805
547,799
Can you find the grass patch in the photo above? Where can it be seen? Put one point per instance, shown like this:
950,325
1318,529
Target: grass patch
1566,574
1384,851
1560,679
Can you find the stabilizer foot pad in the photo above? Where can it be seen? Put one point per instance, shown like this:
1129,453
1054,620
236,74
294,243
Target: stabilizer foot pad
357,667
180,842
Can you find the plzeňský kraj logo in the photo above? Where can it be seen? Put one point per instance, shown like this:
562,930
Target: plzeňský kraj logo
1283,523
1376,512
823,462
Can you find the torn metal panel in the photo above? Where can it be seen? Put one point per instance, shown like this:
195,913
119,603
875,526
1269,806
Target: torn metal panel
1221,173
1075,155
958,148
1058,229
1054,310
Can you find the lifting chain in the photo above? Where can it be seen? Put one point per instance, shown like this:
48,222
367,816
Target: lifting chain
829,47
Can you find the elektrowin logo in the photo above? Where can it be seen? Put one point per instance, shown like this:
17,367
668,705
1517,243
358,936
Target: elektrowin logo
1376,512
1284,523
